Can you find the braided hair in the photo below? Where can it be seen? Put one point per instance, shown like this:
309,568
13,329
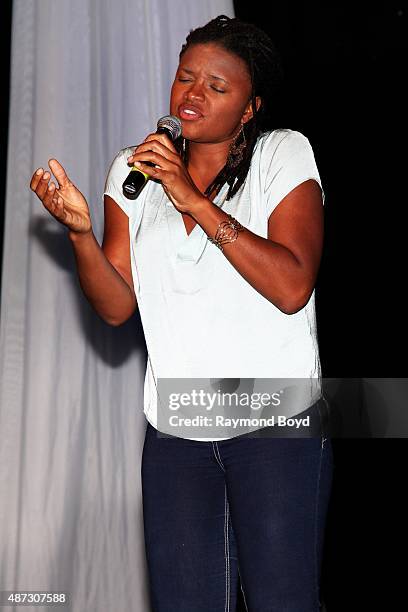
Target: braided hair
257,50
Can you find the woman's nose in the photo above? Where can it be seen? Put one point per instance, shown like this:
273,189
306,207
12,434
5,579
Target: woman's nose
195,92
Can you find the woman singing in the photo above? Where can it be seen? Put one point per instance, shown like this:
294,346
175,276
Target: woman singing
220,253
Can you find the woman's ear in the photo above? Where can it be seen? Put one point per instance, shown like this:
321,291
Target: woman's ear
248,113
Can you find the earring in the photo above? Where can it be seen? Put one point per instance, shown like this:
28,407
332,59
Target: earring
184,150
236,151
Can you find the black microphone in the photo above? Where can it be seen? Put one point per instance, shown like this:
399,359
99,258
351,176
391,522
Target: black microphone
136,179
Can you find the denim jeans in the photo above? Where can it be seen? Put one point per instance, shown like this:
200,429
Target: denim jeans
248,512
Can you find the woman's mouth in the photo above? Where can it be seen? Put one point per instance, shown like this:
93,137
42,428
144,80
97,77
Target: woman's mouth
189,113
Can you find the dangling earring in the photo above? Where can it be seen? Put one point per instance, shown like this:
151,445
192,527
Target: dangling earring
184,150
236,151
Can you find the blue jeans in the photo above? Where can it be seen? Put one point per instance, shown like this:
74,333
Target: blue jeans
246,511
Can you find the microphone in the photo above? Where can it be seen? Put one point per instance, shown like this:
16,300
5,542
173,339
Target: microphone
136,179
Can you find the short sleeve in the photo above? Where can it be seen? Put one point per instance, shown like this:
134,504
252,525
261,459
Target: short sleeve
287,160
117,173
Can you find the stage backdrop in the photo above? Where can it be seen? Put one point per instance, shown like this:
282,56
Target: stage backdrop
89,77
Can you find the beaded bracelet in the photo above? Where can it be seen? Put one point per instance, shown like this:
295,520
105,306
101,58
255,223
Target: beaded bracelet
227,231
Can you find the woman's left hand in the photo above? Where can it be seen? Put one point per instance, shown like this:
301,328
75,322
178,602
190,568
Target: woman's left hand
169,170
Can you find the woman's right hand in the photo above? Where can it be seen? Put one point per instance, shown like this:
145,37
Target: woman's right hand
65,203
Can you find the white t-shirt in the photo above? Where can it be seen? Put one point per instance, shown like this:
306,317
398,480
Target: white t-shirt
200,317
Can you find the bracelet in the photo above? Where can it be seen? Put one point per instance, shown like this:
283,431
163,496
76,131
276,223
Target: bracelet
227,231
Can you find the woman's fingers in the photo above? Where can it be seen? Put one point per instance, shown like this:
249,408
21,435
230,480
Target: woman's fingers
55,205
49,194
42,186
157,147
163,161
57,209
39,182
151,171
46,191
61,198
35,179
40,179
165,140
59,173
152,157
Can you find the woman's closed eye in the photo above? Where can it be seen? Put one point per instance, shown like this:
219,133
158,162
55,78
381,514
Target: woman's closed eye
181,80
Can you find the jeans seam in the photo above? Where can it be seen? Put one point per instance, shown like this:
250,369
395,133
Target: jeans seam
323,435
316,523
242,589
226,552
217,455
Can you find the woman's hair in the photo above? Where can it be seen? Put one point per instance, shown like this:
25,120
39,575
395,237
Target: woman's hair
257,50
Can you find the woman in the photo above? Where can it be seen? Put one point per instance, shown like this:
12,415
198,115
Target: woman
219,505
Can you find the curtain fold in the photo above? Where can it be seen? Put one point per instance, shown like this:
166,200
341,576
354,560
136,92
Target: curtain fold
88,77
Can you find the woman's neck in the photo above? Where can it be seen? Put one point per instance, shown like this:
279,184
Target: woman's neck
207,159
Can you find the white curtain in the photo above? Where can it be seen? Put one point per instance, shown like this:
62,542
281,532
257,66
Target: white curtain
89,77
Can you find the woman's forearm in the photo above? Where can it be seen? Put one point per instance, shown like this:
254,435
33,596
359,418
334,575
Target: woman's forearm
106,290
271,268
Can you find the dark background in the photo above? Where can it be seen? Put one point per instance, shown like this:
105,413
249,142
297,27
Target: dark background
345,69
